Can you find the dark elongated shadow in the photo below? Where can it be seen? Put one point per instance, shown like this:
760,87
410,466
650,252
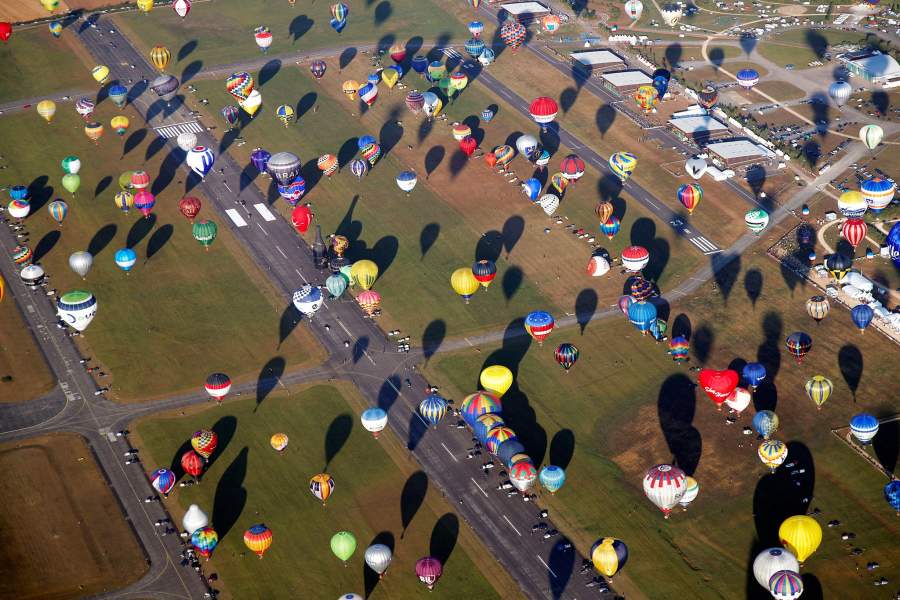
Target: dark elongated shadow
269,377
158,240
139,230
562,447
676,405
231,497
443,537
428,237
45,245
850,362
585,306
336,436
433,337
411,498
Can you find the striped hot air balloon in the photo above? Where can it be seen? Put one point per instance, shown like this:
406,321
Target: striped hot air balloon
258,539
163,480
204,442
862,315
321,486
433,408
818,307
689,195
664,486
539,324
818,389
484,271
160,56
217,386
513,34
477,404
566,355
58,210
609,555
854,231
798,344
878,193
622,164
611,227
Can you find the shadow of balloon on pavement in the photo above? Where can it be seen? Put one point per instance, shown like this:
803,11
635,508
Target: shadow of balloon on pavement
269,377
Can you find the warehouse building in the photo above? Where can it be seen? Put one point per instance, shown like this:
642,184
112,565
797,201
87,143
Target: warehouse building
879,69
525,12
596,61
736,153
699,129
625,83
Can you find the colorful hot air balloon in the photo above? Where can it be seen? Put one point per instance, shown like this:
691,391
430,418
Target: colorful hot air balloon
552,478
543,110
46,109
878,193
770,561
604,211
765,422
163,480
664,486
124,201
611,227
801,535
635,258
369,301
819,389
318,68
484,271
118,93
474,47
646,97
497,436
689,195
144,201
572,167
817,307
756,220
871,136
747,78
642,315
862,315
204,442
477,404
522,475
368,93
799,345
539,324
513,34
679,347
854,231
55,28
258,539
119,124
852,204
58,210
76,308
217,386
374,420
609,555
464,283
84,107
160,56
192,463
321,486
718,385
263,37
22,255
429,570
786,585
239,85
864,427
433,408
205,540
125,259
475,28
566,355
622,164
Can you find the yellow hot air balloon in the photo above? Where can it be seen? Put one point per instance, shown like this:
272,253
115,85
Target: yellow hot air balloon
819,389
50,5
2,288
497,379
94,131
390,77
364,273
801,535
350,89
100,74
279,442
145,6
252,102
46,108
464,283
119,124
159,56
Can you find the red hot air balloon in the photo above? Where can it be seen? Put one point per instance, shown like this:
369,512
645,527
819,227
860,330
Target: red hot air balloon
718,385
301,218
854,231
5,30
189,207
543,110
468,145
491,159
192,463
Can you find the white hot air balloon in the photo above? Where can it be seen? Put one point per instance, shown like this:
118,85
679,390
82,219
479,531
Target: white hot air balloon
634,9
32,275
194,519
549,203
664,486
351,597
374,420
738,399
526,144
671,13
871,136
81,262
840,92
308,300
407,180
186,141
378,558
695,167
77,308
200,159
597,266
770,561
691,491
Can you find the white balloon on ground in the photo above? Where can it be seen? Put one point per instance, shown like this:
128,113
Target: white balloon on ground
81,262
186,141
770,561
696,167
308,300
194,519
77,309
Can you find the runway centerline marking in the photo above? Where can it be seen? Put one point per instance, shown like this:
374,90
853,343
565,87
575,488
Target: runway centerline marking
442,444
513,527
479,487
546,566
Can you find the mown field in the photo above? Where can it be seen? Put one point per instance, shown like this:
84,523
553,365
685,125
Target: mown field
180,313
62,533
35,63
626,406
379,496
24,374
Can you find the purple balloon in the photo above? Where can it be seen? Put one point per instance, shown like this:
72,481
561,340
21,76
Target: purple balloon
260,159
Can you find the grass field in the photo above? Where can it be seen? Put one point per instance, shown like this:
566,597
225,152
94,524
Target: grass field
781,90
802,46
161,327
62,534
20,358
222,32
379,496
35,63
26,11
625,407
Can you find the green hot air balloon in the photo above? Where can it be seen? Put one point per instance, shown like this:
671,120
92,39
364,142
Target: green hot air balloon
125,181
336,284
205,232
343,544
71,182
71,164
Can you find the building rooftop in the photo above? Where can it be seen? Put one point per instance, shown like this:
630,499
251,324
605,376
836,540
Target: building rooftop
525,8
738,149
624,78
596,57
881,65
695,124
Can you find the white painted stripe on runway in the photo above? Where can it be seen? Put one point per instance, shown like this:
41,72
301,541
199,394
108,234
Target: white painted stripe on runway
236,217
479,487
281,251
301,276
546,566
261,229
347,331
395,388
511,525
226,187
442,444
264,211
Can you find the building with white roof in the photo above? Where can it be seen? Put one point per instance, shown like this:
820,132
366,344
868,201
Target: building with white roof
700,129
526,12
623,83
735,153
597,60
880,69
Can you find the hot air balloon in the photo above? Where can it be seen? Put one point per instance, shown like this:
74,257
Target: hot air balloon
189,207
527,145
217,386
125,259
33,275
22,255
634,9
368,93
181,7
464,283
718,385
572,167
864,427
708,97
892,495
71,182
163,480
664,486
756,220
862,315
390,76
200,159
433,408
46,109
301,218
539,324
878,193
486,59
838,265
160,56
406,181
119,124
765,422
100,73
124,201
165,86
71,164
640,289
513,34
786,585
635,258
611,227
738,400
204,540
819,389
840,91
76,308
622,164
374,420
364,273
336,285
552,478
642,315
485,423
263,37
429,570
84,107
646,97
318,68
252,103
817,307
747,78
343,545
474,47
239,85
566,355
19,208
497,436
475,28
58,210
799,345
432,104
754,373
522,475
145,6
194,518
801,535
871,136
308,300
55,28
378,558
144,201
503,155
497,379
609,555
670,13
192,464
543,110
484,272
118,93
258,539
597,265
770,561
477,404
854,231
679,347
284,167
369,301
691,491
690,195
321,486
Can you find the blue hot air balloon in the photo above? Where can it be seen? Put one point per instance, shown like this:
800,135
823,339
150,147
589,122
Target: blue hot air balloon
765,422
118,93
862,315
419,64
661,79
487,115
893,243
642,315
433,408
475,47
373,78
260,159
508,450
365,140
753,373
18,192
338,25
552,478
125,259
864,427
892,495
532,188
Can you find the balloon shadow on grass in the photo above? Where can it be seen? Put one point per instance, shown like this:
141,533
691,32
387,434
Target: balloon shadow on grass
881,101
134,140
231,497
562,447
428,237
886,443
346,57
681,326
45,245
224,429
769,354
139,230
512,281
850,362
673,54
512,233
299,26
716,57
158,240
191,71
153,148
39,193
458,162
102,239
269,377
433,159
489,246
167,171
390,133
388,393
676,406
725,267
186,50
102,185
175,466
336,436
383,12
753,284
411,498
780,495
443,537
560,565
348,150
585,306
643,233
269,71
605,117
703,343
817,42
290,318
433,337
305,104
370,577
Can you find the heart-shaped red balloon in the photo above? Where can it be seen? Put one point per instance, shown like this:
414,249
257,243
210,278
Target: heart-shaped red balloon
718,385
